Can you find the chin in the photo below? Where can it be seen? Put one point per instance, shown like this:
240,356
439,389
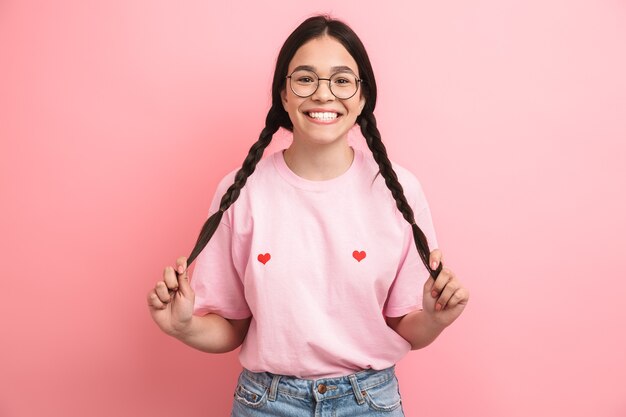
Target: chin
324,139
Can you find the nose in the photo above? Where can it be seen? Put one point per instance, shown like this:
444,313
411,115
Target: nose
323,92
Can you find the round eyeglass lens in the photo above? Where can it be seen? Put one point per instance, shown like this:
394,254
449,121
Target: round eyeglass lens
343,85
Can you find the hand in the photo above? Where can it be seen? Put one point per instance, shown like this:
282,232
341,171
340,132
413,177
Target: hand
436,256
171,300
445,299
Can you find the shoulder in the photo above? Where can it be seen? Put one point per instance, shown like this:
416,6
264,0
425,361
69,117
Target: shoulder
411,185
260,170
228,179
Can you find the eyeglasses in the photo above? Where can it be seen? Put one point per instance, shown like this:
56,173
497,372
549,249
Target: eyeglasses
342,85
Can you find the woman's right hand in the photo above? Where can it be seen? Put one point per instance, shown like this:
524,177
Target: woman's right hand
171,300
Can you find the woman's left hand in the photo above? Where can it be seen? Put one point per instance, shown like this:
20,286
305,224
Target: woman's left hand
444,299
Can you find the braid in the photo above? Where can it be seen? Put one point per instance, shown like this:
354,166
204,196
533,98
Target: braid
367,122
272,123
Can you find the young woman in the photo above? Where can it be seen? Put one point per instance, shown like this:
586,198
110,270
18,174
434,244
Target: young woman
319,265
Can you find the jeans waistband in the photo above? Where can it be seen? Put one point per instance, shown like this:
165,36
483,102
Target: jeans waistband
323,388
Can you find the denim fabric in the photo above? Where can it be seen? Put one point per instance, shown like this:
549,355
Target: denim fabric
364,393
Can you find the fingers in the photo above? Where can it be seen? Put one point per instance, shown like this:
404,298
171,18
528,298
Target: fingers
170,279
438,286
443,278
173,280
435,258
444,299
181,264
154,301
159,297
447,290
162,293
460,296
183,277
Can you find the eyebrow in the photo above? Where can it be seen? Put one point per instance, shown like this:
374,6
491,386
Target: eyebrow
340,68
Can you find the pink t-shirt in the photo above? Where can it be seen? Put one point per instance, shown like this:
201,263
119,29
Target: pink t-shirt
318,264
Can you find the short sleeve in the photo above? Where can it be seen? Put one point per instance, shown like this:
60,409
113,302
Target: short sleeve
215,280
405,293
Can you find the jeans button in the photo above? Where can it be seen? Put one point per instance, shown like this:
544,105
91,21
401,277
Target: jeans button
321,388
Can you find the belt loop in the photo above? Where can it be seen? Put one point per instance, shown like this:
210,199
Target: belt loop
357,391
274,387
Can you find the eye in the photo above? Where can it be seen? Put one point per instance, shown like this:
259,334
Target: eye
344,81
304,78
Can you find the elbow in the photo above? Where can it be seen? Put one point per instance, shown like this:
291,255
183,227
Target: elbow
420,345
239,332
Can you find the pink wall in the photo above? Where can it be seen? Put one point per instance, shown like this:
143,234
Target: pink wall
118,118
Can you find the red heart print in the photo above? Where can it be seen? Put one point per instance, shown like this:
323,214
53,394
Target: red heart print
263,258
358,255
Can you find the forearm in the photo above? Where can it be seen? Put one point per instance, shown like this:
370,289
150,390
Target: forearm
211,333
418,329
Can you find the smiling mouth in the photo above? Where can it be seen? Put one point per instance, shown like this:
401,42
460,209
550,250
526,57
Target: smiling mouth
322,116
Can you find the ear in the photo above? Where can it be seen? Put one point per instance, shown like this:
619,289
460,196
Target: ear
361,103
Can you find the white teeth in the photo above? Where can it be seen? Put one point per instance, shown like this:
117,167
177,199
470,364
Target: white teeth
325,116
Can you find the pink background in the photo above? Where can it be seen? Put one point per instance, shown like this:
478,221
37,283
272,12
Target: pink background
118,118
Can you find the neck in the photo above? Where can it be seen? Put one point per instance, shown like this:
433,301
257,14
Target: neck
319,162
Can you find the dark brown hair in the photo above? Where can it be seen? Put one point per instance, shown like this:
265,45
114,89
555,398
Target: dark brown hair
277,117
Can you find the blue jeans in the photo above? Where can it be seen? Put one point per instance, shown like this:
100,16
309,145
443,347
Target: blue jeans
365,393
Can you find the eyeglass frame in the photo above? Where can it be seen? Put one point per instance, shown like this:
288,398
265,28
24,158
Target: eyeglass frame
359,81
